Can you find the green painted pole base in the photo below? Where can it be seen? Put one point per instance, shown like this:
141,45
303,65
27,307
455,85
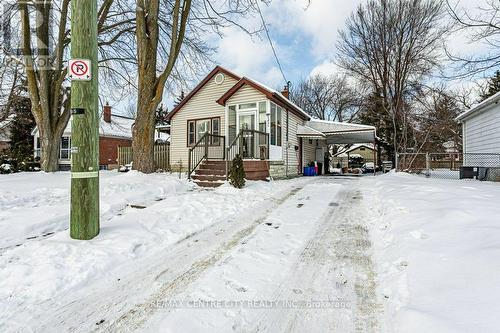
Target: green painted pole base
84,216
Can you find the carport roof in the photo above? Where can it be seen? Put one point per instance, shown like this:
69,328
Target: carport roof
308,132
337,132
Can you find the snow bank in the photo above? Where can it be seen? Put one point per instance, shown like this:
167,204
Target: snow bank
46,268
36,204
437,244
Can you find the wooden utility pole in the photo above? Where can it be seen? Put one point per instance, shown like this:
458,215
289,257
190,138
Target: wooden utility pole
83,71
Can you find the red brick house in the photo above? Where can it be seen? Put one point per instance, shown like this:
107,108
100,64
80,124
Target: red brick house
114,131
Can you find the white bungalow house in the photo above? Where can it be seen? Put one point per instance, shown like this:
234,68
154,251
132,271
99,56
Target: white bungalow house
227,114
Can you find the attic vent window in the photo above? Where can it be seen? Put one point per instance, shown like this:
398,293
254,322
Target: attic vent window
219,78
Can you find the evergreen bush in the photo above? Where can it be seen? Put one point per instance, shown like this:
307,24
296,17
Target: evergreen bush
237,172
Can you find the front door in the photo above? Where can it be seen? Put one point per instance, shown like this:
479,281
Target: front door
246,121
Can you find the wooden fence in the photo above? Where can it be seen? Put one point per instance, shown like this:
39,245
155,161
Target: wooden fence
161,156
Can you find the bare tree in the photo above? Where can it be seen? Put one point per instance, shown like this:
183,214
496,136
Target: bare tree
391,46
44,57
483,28
164,29
326,97
151,84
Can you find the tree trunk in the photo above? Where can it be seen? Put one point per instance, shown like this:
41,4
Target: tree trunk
50,141
151,86
50,152
143,138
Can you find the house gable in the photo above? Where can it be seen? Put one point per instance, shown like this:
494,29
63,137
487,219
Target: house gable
246,94
270,94
199,104
228,77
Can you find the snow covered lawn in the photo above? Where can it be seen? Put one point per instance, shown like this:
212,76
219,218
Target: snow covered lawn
38,260
392,253
437,248
36,204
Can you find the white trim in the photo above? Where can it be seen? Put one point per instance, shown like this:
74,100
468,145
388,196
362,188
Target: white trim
226,124
246,112
478,107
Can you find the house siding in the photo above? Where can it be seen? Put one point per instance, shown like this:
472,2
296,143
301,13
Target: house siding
201,105
289,152
246,94
482,131
309,150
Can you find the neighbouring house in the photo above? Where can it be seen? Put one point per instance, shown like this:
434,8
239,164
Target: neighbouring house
481,127
364,152
5,126
481,137
227,114
114,131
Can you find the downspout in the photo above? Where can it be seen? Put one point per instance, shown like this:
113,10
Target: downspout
287,144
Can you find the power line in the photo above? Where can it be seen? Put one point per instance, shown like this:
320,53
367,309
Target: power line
271,42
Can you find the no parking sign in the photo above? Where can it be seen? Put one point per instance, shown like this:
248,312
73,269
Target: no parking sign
79,70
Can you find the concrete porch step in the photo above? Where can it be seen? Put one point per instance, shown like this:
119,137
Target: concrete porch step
207,183
210,178
217,172
204,166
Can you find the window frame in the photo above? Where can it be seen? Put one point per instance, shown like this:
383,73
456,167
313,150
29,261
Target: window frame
189,132
66,150
38,147
210,122
276,132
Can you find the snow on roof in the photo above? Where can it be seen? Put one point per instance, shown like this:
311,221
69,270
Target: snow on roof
305,114
6,122
326,126
306,131
161,135
342,152
478,107
119,127
4,128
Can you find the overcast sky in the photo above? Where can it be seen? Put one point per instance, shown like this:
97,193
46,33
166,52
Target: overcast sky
305,40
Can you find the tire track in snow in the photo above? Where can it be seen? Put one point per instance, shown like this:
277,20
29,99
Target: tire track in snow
334,266
135,317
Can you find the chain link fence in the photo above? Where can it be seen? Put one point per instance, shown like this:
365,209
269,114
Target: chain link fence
479,166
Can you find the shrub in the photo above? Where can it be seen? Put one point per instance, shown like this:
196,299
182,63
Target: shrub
237,172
